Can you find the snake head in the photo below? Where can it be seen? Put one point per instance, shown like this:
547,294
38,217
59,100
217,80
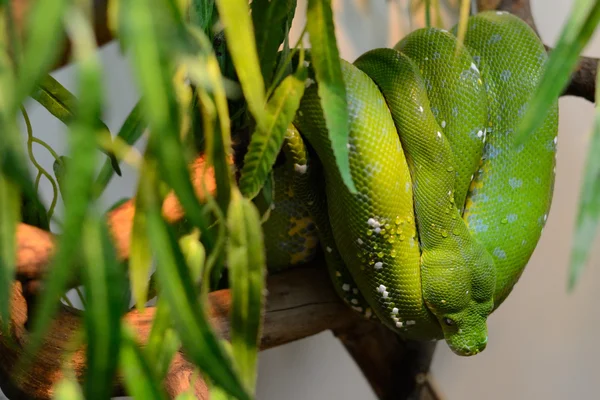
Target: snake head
459,291
466,331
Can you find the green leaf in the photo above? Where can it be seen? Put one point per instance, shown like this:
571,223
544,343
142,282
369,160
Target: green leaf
265,145
196,334
131,130
9,218
588,215
140,379
140,259
188,316
163,341
194,254
79,177
43,27
61,103
577,31
247,267
154,71
239,34
203,14
105,286
271,20
59,168
332,90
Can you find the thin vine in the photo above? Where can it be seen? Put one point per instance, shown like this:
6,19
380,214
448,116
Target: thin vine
41,170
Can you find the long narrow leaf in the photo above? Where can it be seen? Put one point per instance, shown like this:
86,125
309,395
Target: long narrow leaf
105,286
239,33
79,177
247,267
140,380
270,19
131,130
140,259
580,26
163,341
265,144
61,103
332,90
9,217
198,339
44,33
196,334
154,73
588,215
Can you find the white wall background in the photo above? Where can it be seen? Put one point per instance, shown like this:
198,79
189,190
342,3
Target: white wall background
542,341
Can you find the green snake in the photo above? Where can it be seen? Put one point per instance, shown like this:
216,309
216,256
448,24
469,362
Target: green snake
448,210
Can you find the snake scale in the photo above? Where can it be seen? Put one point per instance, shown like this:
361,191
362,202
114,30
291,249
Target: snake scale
448,210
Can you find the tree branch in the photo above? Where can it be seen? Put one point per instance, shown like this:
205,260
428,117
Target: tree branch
583,79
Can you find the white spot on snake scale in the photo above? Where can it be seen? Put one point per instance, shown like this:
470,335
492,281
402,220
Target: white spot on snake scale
495,38
555,139
359,241
399,324
474,67
381,289
301,169
411,322
421,108
505,75
373,223
511,217
385,294
329,249
354,301
378,265
443,124
498,252
515,183
479,134
394,311
377,230
345,287
439,134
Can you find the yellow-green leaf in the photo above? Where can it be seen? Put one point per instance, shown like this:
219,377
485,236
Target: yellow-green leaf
265,144
247,267
239,35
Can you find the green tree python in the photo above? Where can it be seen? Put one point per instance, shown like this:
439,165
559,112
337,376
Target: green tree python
447,211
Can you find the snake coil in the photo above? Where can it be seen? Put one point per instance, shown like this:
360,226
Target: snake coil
447,211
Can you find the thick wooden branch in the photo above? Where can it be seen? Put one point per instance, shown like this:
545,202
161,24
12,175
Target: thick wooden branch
583,79
300,303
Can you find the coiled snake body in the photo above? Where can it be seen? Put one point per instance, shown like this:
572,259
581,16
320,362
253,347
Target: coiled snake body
447,211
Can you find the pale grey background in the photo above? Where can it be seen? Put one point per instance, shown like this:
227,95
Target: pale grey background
542,341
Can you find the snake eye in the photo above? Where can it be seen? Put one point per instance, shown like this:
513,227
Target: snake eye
449,322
